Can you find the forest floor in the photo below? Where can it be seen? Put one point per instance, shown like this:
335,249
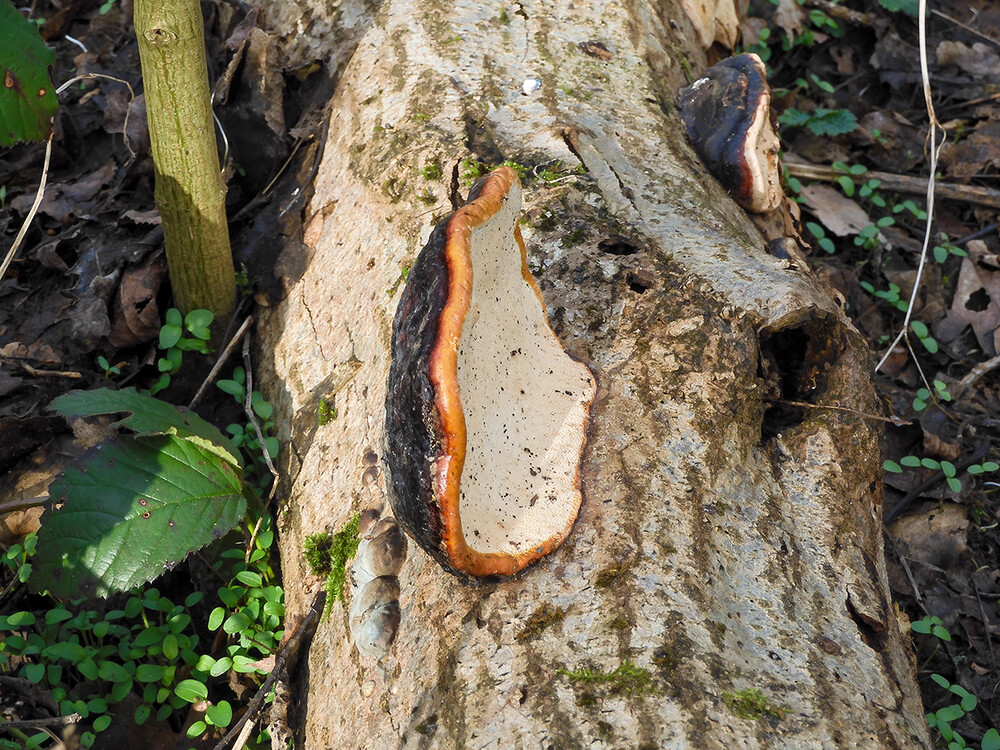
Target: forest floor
84,301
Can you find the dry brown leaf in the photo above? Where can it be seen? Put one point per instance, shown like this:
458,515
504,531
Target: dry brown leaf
979,61
790,16
975,154
835,211
937,537
976,303
935,447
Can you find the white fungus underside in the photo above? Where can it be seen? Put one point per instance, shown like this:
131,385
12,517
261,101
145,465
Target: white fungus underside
525,404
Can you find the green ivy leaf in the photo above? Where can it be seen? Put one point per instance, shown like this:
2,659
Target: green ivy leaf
27,97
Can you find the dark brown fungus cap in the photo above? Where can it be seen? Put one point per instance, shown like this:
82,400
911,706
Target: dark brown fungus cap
727,115
486,414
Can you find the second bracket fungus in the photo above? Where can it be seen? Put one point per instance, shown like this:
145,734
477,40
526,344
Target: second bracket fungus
727,115
486,414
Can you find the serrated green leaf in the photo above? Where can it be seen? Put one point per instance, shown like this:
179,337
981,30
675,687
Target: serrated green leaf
133,507
792,118
27,97
147,416
910,7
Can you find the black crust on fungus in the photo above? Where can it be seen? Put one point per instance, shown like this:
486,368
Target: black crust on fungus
718,114
410,398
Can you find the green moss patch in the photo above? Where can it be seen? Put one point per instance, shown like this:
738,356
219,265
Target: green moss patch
752,704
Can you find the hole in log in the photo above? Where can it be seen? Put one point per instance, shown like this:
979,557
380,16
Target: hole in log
792,363
617,245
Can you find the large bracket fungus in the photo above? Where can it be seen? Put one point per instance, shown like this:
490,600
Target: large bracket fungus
486,414
727,115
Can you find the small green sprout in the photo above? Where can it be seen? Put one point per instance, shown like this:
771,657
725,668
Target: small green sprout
108,368
824,242
924,334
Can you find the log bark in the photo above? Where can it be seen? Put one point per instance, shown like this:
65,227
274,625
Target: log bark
727,543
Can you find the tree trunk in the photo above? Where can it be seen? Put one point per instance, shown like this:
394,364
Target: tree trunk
726,544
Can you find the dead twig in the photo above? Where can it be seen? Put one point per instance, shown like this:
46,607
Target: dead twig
248,408
802,404
55,721
839,11
221,361
899,183
69,374
284,662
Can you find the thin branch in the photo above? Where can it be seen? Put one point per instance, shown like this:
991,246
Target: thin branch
284,661
31,212
248,408
54,721
221,361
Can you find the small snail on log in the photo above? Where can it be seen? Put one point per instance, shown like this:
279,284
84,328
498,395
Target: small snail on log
486,414
727,115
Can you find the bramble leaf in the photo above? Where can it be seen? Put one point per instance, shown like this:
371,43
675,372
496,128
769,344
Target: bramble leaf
132,509
27,97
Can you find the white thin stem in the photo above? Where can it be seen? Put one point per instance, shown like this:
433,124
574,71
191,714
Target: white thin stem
933,126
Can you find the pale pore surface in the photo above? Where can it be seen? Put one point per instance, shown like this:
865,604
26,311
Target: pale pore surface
525,403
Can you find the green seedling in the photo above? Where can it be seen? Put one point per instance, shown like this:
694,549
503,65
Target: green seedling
175,340
943,718
869,191
931,345
914,462
868,238
108,368
932,626
245,435
824,242
909,205
924,396
891,296
944,249
848,172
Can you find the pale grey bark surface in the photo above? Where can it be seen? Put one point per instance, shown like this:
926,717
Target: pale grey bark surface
710,551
